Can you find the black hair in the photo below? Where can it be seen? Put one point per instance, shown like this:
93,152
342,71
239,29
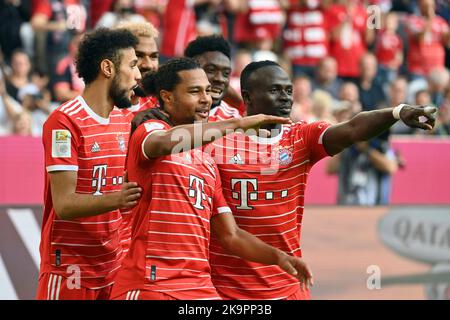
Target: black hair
99,45
252,67
207,44
167,77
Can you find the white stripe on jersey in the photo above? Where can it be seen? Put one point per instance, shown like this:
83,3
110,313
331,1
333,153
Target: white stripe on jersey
179,234
177,243
75,111
180,214
80,244
87,222
176,258
189,167
62,168
269,217
49,285
267,225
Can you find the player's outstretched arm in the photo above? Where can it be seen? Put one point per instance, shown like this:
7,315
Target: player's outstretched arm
245,245
71,205
162,143
368,124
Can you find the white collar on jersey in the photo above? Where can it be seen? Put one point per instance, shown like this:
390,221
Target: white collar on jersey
134,107
91,112
271,140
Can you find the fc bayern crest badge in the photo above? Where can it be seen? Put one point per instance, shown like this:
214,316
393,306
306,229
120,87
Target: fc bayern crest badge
122,146
284,156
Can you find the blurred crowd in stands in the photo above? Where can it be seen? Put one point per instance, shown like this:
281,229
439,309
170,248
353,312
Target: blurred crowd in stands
345,56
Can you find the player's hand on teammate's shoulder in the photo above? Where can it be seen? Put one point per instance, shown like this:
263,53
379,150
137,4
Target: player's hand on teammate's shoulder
422,117
298,268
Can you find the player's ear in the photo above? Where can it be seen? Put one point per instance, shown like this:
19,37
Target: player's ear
107,68
167,97
246,96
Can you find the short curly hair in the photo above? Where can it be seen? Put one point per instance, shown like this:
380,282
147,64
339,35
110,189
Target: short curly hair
99,45
207,44
167,77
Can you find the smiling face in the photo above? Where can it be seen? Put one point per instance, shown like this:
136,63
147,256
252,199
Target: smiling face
148,60
125,79
218,69
190,101
270,92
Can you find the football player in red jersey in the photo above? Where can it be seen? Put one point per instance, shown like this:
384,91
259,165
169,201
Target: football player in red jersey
182,199
85,145
213,53
148,60
264,183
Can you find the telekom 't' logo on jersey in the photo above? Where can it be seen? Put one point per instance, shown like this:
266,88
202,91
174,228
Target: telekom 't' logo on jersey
247,190
196,191
243,190
98,178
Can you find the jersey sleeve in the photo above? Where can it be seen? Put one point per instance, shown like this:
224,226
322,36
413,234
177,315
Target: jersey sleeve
220,205
140,136
61,140
312,134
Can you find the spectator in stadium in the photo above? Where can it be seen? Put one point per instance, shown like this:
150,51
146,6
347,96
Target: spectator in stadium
306,39
427,36
14,16
443,121
438,82
123,10
213,53
326,77
22,124
183,201
322,107
241,58
349,36
66,82
302,101
389,49
20,73
54,23
8,109
349,92
397,94
85,146
258,23
371,93
35,99
267,196
148,60
179,27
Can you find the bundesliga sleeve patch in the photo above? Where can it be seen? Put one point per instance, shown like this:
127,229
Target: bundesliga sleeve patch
61,140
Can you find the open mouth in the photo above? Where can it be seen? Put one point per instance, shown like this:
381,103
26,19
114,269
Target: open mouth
216,93
202,113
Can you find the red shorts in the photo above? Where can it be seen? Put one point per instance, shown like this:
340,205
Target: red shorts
144,295
54,287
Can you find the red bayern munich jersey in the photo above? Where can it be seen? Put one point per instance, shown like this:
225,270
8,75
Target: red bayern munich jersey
171,223
264,182
125,230
145,103
223,112
77,139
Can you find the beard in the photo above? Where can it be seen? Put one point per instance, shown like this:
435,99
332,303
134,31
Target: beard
118,95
